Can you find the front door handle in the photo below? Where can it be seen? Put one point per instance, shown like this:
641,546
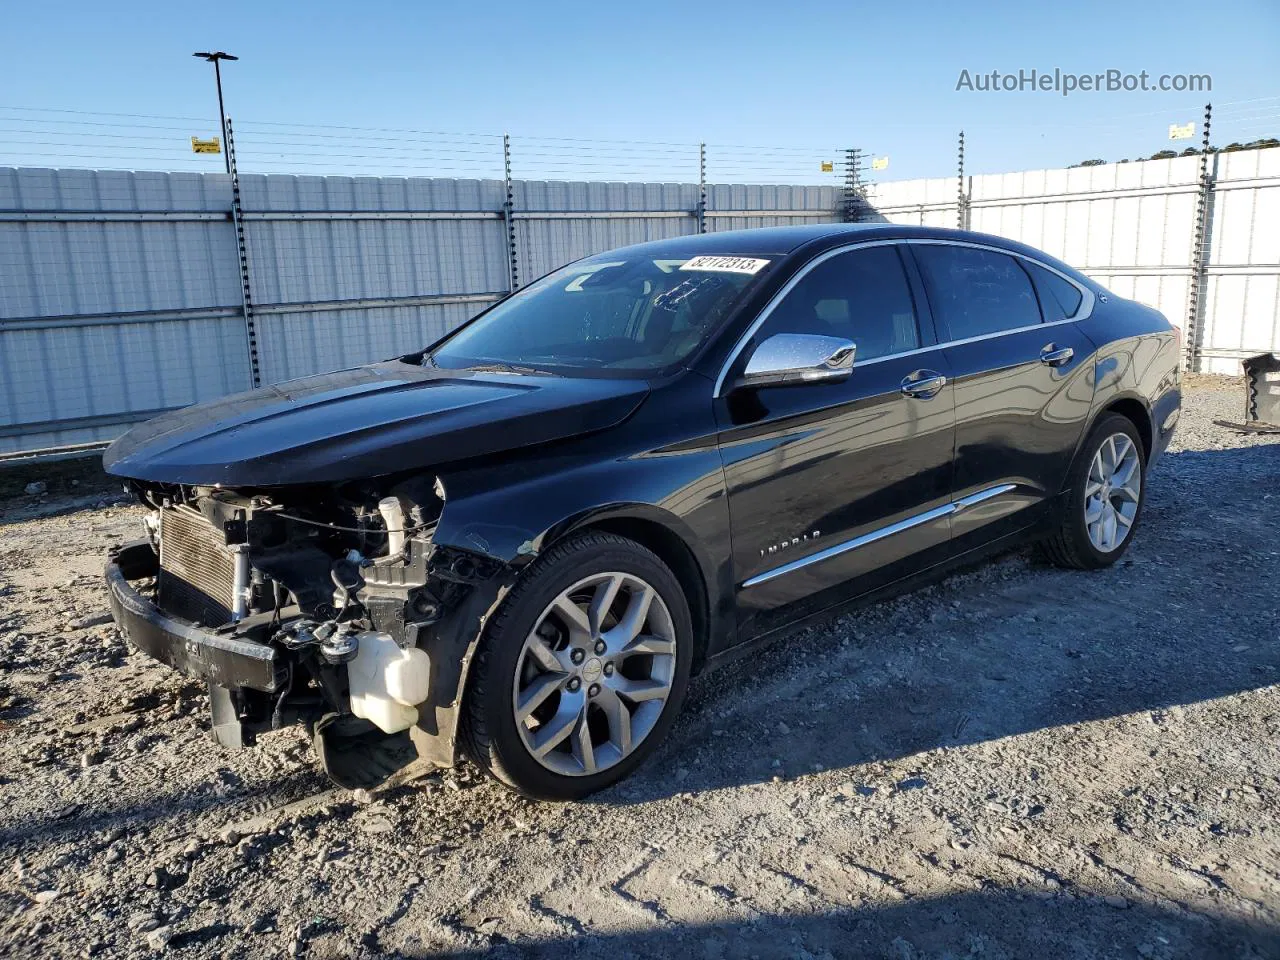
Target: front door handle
1054,356
923,384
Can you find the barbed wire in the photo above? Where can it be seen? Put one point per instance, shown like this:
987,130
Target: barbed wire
133,140
40,136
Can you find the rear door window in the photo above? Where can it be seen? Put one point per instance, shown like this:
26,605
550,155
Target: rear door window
976,292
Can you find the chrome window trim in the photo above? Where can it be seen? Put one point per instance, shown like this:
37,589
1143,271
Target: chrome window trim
937,513
1003,333
1087,301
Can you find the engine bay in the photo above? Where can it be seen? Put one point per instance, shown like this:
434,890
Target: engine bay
348,593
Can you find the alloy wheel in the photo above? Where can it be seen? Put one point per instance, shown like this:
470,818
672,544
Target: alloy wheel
594,674
1112,492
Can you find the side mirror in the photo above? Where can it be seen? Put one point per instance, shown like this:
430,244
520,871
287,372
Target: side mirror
797,358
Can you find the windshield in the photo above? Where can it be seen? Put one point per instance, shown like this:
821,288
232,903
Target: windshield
610,314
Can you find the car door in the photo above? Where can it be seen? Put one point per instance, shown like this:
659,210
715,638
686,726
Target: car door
832,486
1021,372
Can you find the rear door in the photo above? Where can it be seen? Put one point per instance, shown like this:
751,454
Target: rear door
834,486
1022,380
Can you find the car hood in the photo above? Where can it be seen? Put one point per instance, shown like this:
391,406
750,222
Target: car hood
365,422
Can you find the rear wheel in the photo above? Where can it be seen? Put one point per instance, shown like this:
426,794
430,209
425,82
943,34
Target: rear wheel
582,670
1105,494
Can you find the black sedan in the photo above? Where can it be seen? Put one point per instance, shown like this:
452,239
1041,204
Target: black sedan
521,542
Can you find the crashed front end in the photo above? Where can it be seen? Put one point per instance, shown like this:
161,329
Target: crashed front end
329,606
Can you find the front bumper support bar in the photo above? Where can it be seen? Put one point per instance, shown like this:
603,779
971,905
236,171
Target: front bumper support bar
226,660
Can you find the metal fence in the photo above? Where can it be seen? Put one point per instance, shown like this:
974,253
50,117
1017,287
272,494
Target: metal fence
1197,237
124,294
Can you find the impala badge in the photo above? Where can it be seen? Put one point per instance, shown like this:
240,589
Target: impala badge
788,544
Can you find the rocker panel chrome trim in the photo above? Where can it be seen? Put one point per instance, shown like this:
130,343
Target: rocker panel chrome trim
937,513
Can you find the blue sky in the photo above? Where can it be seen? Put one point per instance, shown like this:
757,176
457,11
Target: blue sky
792,75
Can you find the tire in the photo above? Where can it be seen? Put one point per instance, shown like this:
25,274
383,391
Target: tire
1077,543
537,656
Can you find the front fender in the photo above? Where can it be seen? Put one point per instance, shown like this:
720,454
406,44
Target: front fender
511,512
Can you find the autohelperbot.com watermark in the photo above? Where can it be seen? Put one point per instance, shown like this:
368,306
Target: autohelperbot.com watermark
1066,83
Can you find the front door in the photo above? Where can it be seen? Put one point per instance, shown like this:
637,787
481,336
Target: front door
834,487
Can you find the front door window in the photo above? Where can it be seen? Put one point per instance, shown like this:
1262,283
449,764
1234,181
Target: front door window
860,295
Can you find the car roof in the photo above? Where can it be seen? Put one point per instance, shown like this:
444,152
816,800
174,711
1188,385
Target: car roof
774,240
812,237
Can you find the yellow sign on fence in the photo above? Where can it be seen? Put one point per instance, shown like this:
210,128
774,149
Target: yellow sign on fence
1184,131
212,145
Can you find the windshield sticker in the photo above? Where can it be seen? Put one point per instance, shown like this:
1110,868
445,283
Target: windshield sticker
748,265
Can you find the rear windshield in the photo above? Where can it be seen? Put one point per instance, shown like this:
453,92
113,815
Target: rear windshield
616,315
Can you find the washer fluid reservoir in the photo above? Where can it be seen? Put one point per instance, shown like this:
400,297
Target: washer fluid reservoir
387,682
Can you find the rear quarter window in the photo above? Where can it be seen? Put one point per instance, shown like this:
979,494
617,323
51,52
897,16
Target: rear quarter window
1059,298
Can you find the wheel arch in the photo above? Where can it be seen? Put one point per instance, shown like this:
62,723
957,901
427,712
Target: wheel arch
1135,410
679,557
667,537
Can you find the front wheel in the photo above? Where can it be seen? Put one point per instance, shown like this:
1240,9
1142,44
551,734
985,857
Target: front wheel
1105,494
582,670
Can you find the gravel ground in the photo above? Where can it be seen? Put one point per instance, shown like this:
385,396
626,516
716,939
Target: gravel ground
1016,762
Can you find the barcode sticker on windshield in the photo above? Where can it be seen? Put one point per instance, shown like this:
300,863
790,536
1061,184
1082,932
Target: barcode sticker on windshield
726,264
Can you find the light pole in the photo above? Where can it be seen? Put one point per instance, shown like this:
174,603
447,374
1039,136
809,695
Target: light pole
222,113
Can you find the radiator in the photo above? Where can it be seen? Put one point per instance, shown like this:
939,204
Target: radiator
197,569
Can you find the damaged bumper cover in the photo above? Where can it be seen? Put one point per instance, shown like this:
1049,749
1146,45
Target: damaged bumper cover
219,657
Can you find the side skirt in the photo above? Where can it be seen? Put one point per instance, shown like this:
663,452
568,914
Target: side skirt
906,584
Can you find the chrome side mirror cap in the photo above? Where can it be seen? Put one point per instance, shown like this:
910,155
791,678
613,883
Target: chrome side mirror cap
797,358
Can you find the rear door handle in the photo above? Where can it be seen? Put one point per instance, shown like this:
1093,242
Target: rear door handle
1056,356
923,384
